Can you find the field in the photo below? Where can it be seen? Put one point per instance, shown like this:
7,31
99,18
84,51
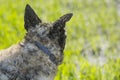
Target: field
92,49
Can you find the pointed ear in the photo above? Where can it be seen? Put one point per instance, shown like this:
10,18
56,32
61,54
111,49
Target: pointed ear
30,18
57,31
63,19
66,17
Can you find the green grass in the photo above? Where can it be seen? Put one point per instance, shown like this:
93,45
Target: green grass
93,31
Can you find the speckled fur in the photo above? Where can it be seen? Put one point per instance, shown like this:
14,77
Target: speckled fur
24,61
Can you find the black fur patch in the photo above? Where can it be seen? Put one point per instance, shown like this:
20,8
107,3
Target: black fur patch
58,30
30,18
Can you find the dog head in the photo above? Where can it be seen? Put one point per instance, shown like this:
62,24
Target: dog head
45,33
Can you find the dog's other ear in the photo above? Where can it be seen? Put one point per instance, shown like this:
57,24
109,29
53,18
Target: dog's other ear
63,19
66,17
58,29
30,18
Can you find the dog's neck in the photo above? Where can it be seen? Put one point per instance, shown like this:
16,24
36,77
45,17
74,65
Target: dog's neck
46,51
53,52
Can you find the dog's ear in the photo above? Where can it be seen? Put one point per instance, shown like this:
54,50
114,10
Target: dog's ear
30,18
58,29
63,19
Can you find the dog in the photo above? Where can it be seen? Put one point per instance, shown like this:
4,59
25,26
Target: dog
39,54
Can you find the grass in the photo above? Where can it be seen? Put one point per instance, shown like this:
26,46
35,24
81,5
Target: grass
92,46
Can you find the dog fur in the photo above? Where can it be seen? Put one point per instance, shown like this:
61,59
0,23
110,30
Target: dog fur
25,61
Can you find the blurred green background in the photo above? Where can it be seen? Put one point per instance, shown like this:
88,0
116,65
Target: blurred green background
92,49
